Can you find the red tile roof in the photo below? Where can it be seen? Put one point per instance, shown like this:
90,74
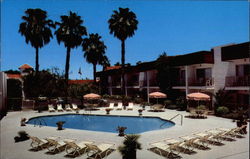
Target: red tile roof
14,76
113,67
79,81
25,66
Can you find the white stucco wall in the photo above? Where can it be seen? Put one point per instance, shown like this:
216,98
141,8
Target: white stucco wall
3,91
220,70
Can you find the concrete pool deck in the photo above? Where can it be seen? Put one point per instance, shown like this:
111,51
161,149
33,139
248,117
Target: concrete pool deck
10,125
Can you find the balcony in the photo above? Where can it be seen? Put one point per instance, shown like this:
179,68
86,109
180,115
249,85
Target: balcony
153,82
132,83
236,81
116,83
143,83
179,82
201,82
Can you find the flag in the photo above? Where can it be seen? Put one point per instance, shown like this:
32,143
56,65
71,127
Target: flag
80,72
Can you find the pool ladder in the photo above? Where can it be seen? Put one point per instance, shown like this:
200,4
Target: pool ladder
173,118
39,122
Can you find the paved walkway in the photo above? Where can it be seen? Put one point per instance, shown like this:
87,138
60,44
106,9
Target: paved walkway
10,125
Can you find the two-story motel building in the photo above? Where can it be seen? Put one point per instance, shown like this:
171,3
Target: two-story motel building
223,67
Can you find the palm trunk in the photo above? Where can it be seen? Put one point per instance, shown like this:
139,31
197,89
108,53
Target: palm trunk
123,66
67,72
94,72
67,64
37,60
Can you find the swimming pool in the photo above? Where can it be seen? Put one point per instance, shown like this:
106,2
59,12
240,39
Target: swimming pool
105,123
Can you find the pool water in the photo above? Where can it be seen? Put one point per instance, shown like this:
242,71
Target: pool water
135,125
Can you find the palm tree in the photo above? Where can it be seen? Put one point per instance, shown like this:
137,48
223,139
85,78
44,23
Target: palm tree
70,32
36,30
94,50
123,24
104,62
129,147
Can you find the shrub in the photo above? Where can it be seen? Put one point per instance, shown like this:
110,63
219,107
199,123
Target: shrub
105,96
126,100
181,102
15,103
172,106
138,100
14,94
103,103
116,97
222,110
167,103
53,85
201,107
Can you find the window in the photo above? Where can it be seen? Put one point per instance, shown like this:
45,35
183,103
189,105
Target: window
242,70
203,73
182,74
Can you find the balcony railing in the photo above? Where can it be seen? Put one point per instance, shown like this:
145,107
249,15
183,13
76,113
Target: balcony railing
152,82
234,81
201,82
116,83
132,83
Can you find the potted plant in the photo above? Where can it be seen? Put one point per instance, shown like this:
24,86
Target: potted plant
60,125
121,130
108,110
129,147
23,120
140,112
143,107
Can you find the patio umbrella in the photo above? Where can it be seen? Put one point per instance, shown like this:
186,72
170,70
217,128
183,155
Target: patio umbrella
92,96
198,96
157,95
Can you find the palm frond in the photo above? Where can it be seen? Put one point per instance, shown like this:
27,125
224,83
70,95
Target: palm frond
123,23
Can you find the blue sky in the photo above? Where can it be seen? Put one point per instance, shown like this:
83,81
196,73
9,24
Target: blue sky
176,27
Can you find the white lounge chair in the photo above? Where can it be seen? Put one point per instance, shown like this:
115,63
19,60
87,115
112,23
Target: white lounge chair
72,148
37,143
161,146
217,136
190,142
67,107
59,107
74,107
55,145
234,132
130,106
119,107
99,150
51,108
111,106
204,138
176,145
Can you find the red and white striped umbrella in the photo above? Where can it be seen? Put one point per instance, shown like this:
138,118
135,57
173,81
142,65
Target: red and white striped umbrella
91,96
